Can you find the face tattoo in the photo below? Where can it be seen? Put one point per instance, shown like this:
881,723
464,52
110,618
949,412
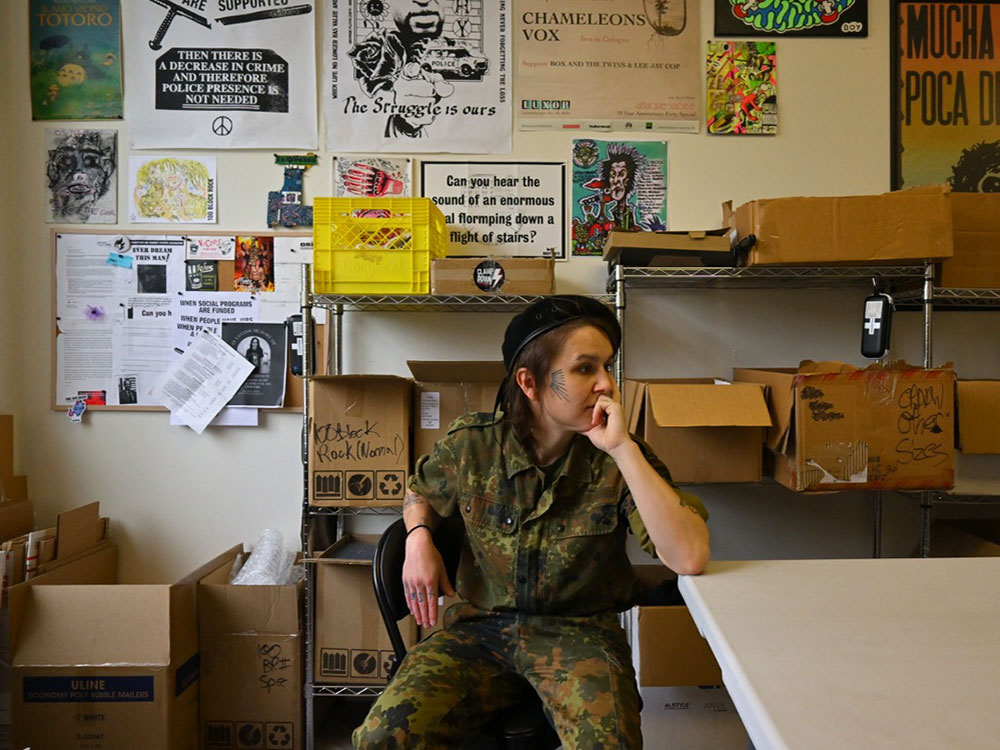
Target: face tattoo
557,382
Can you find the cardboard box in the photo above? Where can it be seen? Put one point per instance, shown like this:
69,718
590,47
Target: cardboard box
250,641
978,416
667,648
106,667
492,275
351,646
444,391
710,247
692,718
906,225
359,439
976,224
702,431
840,428
12,487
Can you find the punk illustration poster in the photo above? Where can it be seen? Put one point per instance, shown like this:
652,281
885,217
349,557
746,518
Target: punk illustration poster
617,185
75,60
631,65
741,95
372,177
219,74
263,346
791,18
81,173
429,76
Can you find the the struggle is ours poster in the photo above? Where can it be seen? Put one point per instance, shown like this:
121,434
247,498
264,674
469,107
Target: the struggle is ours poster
418,76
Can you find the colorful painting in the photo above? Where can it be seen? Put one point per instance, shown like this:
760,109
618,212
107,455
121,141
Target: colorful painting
254,268
945,105
75,60
791,18
617,185
742,88
172,189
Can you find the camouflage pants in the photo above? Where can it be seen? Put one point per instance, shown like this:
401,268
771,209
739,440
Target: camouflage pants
450,683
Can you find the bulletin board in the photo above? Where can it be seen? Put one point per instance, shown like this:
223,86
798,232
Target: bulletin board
125,305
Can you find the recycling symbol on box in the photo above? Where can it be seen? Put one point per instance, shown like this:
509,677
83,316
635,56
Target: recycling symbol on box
278,736
390,484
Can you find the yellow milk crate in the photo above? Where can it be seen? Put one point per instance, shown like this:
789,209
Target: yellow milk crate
376,245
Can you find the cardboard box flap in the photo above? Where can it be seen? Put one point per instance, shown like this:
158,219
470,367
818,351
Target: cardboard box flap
809,367
706,405
17,517
978,415
249,610
351,549
456,372
78,530
93,626
780,384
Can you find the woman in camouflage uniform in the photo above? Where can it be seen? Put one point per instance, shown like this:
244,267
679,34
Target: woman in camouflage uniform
548,489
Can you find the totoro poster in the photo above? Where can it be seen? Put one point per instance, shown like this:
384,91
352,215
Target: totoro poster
75,60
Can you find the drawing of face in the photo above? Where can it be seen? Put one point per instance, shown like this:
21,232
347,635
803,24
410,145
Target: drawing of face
71,74
618,180
420,19
79,172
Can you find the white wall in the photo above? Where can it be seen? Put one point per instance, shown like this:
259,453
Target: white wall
9,258
177,498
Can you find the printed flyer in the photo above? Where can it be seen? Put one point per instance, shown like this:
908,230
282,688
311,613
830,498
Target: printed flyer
742,88
220,74
590,64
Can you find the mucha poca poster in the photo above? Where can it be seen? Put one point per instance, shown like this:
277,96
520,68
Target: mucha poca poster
946,95
418,75
75,60
221,74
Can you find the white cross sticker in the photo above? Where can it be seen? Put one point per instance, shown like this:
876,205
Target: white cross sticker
872,325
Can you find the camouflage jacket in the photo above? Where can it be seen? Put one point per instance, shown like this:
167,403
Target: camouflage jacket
554,551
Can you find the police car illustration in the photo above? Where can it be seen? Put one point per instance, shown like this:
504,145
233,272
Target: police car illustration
454,62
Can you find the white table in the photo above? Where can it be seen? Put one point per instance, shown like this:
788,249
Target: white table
857,654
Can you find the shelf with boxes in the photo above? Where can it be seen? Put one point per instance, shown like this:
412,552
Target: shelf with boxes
479,383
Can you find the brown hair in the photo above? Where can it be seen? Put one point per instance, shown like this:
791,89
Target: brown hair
537,357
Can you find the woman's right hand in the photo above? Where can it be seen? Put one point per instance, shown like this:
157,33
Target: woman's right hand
424,577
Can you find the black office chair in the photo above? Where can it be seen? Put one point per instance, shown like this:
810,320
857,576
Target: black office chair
522,726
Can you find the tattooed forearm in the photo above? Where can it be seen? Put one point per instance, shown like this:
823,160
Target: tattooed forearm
557,382
412,498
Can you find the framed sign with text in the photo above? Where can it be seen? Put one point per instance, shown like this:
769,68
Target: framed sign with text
945,102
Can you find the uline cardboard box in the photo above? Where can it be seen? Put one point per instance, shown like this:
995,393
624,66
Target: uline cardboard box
492,275
976,224
704,431
444,391
106,667
351,644
667,648
251,663
838,427
710,247
978,416
906,225
359,439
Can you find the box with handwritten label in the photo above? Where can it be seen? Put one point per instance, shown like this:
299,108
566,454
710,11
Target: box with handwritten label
359,440
250,639
838,427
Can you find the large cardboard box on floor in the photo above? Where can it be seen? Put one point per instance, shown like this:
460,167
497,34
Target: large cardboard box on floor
444,391
667,648
106,667
905,226
691,718
978,416
351,646
703,430
250,641
359,439
976,224
492,275
837,427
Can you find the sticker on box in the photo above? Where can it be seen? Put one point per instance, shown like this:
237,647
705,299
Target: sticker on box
430,410
333,662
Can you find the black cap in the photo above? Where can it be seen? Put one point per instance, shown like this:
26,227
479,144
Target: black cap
548,314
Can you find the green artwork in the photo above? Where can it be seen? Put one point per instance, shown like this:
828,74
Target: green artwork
75,60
